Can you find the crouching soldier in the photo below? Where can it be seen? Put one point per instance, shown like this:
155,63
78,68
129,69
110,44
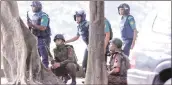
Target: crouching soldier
65,60
119,64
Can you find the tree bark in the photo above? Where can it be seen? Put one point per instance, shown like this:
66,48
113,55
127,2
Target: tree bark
96,71
21,61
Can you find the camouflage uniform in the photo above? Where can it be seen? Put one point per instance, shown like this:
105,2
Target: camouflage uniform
118,60
65,55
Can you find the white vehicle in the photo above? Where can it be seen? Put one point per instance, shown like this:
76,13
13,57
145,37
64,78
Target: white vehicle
151,57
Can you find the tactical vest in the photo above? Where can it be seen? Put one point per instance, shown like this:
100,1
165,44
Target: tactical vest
126,30
61,53
124,63
83,30
36,19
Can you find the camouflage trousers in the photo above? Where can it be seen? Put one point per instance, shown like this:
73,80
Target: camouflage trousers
70,68
63,71
117,80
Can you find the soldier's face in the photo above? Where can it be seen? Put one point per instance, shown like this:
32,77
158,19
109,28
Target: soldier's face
112,48
59,42
34,9
121,11
78,19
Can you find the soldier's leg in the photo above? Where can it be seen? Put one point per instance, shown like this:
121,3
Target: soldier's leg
66,77
123,80
84,62
71,67
47,41
59,71
116,80
43,52
127,46
113,80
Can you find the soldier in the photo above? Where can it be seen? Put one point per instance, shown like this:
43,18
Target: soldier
108,37
119,64
65,59
128,28
39,26
83,31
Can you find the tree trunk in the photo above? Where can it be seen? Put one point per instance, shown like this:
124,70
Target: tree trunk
96,71
21,61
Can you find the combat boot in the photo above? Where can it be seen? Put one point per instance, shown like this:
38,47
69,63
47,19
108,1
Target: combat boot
67,77
73,83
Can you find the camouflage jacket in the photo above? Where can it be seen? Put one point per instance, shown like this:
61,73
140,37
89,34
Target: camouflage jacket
65,54
121,61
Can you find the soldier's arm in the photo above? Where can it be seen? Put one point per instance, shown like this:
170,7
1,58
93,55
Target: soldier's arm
116,66
133,26
107,34
77,35
44,23
70,57
74,38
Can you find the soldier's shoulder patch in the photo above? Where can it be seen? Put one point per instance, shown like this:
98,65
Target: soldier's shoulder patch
44,18
131,22
70,51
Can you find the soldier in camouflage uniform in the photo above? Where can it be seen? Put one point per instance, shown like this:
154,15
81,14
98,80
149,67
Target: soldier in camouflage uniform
65,58
119,64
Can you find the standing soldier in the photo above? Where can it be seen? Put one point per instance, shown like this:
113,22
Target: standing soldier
108,37
128,28
83,30
39,26
119,64
66,61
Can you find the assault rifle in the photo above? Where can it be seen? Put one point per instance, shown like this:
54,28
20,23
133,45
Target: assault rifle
49,53
28,19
